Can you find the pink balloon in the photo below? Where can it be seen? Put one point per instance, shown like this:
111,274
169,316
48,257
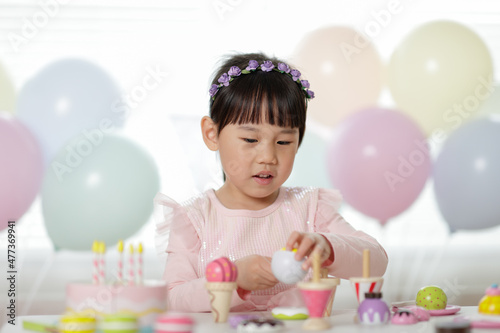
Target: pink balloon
21,169
379,160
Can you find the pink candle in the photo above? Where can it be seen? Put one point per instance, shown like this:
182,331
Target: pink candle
95,272
139,260
120,262
131,265
102,268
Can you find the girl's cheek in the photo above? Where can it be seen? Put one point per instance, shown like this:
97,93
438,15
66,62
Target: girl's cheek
233,168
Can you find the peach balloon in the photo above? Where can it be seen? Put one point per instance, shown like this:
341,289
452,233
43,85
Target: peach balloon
344,69
440,74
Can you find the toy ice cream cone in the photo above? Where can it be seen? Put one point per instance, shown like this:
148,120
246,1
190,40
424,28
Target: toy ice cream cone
316,295
333,282
221,275
366,283
220,299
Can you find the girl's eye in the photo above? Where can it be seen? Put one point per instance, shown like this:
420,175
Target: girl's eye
249,140
284,143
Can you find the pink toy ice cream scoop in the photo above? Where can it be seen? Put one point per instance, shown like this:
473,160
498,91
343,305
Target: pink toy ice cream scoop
221,270
221,275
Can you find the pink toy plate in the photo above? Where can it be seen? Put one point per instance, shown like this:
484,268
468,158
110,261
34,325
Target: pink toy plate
450,310
479,321
484,324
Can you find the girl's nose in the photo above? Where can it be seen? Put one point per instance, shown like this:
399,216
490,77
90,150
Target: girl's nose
267,155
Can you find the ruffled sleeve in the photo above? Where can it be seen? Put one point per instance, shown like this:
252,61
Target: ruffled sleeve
163,215
347,243
178,239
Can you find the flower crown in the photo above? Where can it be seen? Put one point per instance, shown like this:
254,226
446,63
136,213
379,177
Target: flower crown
266,66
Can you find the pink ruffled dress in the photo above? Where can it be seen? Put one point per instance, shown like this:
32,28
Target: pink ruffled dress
201,229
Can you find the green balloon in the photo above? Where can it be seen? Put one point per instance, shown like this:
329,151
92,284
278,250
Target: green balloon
98,187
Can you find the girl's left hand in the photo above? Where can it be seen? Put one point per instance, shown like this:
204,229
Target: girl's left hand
306,243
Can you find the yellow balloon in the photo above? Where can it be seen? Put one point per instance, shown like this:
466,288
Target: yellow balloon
7,92
344,70
440,74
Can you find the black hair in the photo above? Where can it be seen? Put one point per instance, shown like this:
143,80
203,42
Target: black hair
243,100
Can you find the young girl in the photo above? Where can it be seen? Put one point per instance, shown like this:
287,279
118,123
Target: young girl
257,121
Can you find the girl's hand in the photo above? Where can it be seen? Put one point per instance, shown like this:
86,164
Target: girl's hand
307,243
254,273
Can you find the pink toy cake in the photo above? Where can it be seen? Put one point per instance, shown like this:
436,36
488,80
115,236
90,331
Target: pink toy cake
146,300
131,296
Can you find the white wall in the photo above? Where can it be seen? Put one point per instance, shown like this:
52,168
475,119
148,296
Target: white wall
185,38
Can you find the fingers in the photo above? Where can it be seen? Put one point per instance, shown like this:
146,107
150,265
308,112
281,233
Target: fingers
302,241
306,244
305,247
294,238
317,249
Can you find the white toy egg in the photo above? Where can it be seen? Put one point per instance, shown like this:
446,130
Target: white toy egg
286,269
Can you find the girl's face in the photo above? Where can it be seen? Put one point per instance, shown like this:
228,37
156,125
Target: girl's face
257,159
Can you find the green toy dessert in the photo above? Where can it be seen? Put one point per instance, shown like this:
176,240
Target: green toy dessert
431,298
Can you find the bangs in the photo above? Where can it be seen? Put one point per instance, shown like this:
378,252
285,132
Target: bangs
262,98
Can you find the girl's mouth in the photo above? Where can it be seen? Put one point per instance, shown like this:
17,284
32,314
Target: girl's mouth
263,179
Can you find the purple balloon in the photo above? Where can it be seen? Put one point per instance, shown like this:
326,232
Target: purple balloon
20,170
379,159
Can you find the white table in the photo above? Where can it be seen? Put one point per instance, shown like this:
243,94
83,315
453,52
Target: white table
341,320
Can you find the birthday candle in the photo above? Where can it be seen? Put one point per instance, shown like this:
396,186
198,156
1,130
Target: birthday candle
139,261
131,265
102,251
95,273
120,262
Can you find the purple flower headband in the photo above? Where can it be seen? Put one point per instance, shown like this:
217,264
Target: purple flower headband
266,66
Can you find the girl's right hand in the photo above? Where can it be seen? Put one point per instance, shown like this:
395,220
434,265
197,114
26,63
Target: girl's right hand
254,273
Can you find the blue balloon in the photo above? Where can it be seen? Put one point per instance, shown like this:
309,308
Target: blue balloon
67,98
467,176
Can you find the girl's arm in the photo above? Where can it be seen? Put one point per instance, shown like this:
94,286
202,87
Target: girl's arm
347,243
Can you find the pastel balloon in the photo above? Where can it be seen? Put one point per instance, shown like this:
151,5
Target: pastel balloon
466,177
440,74
491,105
7,92
67,98
20,169
98,187
309,168
344,69
379,160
